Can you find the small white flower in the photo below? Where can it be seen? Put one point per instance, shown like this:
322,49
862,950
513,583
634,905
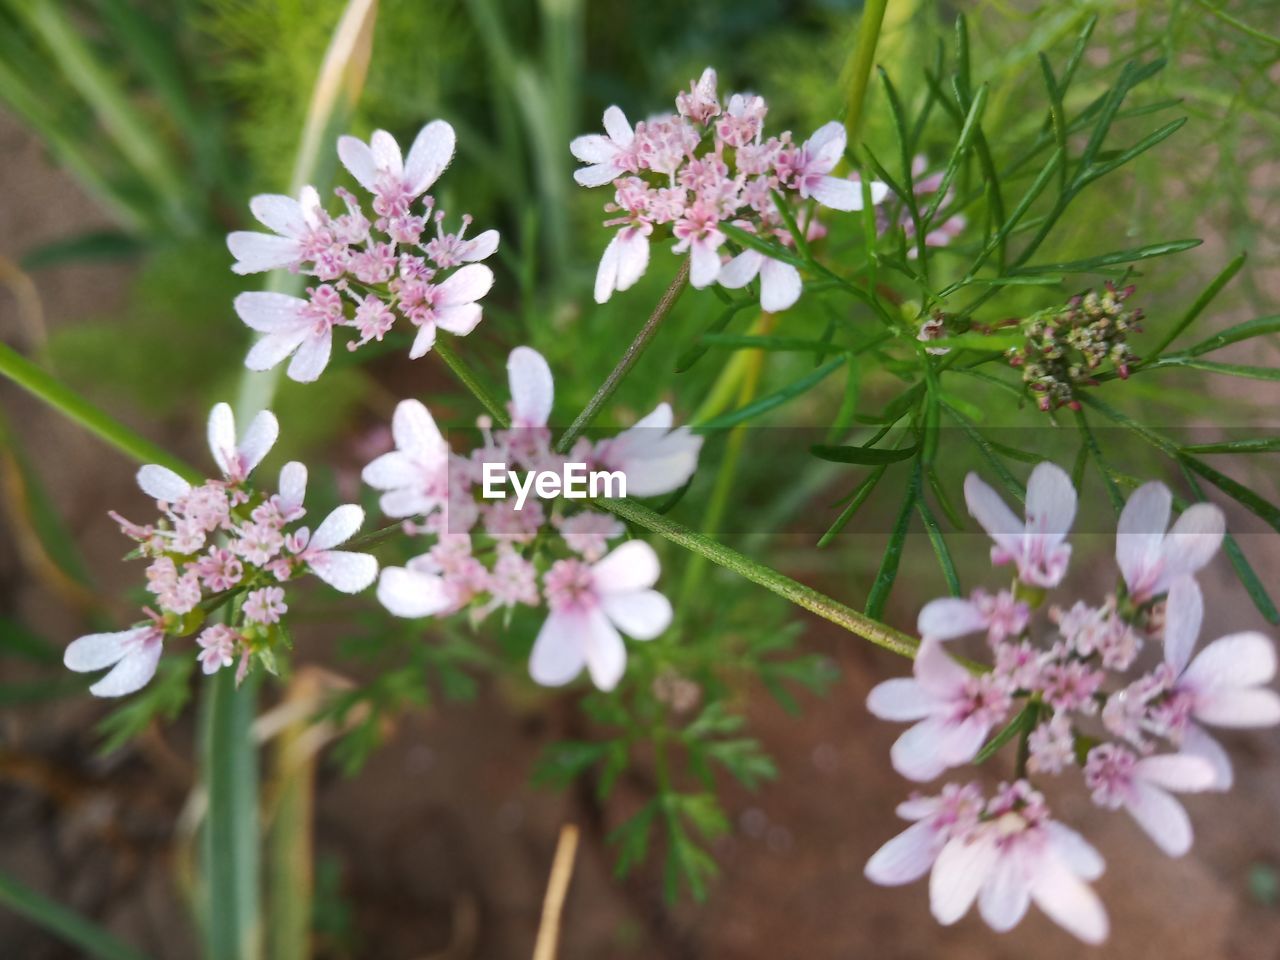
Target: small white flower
1149,558
780,284
414,477
591,606
609,156
291,326
1142,786
817,157
654,457
624,261
294,224
453,307
236,461
132,655
1037,546
379,167
341,569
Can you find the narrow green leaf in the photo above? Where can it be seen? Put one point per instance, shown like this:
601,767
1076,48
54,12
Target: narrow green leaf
859,497
939,544
963,144
1115,257
1251,445
1125,156
65,924
1262,326
700,345
770,249
772,400
864,456
1023,723
888,571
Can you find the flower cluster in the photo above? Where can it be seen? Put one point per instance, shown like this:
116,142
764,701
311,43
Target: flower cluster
1066,348
370,271
1078,700
493,554
218,541
704,166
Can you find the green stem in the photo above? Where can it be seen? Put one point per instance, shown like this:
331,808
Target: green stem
806,597
66,925
230,848
66,401
628,359
473,383
858,70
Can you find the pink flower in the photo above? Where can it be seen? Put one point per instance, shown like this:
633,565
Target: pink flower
1001,616
217,647
1037,546
414,477
607,157
341,569
1149,558
395,181
132,655
654,457
298,233
290,325
1223,686
698,234
1015,857
956,711
807,169
265,606
450,305
440,581
588,533
236,461
590,607
700,104
911,854
1118,778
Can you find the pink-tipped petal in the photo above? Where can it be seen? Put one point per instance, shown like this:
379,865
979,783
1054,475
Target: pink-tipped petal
161,483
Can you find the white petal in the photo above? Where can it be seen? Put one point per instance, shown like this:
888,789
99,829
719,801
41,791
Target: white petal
780,285
633,257
607,271
961,742
1006,895
270,312
559,652
617,127
605,652
949,617
431,152
412,593
258,252
416,433
459,320
311,359
386,153
161,483
659,418
1193,541
917,753
391,471
961,869
596,175
878,192
282,214
358,159
1067,900
838,193
992,514
593,148
937,672
1248,707
293,483
905,858
642,615
130,674
1183,612
741,270
663,465
1076,852
1140,533
99,650
338,527
629,567
1162,817
344,570
900,699
826,146
1179,772
483,245
1051,501
222,436
532,387
704,263
261,436
1196,742
467,285
272,349
1238,660
424,341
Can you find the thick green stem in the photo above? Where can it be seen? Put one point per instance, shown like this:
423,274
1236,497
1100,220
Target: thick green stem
105,427
627,361
858,69
806,597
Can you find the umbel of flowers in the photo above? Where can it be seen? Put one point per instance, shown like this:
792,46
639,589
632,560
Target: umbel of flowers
1067,347
1074,679
687,173
224,539
490,554
371,270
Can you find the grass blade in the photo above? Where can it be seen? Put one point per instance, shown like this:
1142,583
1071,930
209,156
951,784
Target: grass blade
65,924
1206,297
888,571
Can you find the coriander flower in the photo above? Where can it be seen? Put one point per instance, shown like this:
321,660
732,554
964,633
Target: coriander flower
1150,558
1037,546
